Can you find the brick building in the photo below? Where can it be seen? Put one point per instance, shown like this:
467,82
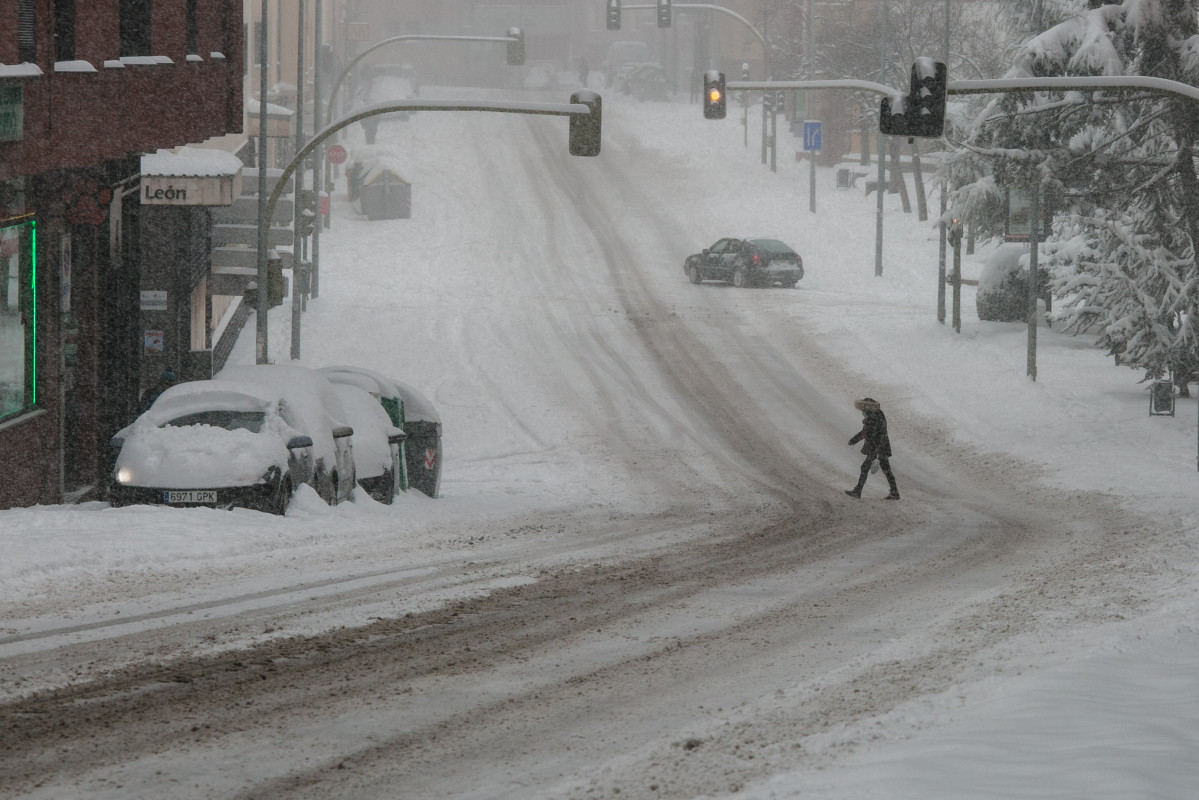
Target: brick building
86,88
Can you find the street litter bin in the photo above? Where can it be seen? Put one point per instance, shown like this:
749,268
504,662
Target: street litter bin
386,195
411,411
1161,398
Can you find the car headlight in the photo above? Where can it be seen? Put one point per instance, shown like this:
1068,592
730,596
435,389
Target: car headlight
124,475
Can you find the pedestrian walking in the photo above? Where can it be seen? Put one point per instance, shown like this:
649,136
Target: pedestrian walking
875,445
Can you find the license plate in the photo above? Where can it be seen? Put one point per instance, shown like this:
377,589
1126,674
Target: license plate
190,496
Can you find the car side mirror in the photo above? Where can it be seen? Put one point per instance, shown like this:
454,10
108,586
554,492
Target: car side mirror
342,431
117,442
706,251
397,437
296,442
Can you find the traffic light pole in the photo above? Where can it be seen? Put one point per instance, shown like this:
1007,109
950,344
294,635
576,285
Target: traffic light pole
260,334
297,238
506,40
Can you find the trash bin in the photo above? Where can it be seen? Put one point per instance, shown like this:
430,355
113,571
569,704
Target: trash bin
386,196
410,410
1161,398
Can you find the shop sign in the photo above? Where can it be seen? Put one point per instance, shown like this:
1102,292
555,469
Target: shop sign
193,190
153,300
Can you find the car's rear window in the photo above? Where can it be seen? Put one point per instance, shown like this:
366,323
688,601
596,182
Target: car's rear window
229,420
771,246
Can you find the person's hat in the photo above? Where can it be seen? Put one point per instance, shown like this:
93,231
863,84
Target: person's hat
867,404
167,376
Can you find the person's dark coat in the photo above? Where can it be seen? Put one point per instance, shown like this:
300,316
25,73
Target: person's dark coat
874,429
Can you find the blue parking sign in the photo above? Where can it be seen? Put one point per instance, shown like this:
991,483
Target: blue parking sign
811,135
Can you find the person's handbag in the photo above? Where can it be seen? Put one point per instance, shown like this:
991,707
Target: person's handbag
874,467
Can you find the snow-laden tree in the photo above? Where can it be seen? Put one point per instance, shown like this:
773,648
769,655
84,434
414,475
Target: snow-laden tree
1119,168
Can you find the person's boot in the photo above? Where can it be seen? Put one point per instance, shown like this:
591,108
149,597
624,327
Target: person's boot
857,490
893,496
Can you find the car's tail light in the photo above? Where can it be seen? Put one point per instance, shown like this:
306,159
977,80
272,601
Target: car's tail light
757,259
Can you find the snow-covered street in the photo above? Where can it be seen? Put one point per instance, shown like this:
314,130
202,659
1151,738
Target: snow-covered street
643,576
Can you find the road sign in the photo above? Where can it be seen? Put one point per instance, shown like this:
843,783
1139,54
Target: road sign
337,154
812,135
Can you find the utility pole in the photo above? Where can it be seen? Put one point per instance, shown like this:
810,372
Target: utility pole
260,338
811,75
880,188
1033,247
941,226
318,157
297,261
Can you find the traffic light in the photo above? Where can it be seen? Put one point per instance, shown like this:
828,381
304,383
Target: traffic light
613,15
663,13
516,47
307,222
276,284
714,99
922,111
585,128
955,233
307,211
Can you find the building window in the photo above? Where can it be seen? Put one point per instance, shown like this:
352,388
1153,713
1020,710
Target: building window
135,28
18,316
64,30
193,29
27,31
12,113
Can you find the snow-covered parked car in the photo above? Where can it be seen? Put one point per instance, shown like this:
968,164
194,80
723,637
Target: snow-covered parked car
409,410
213,443
378,462
314,403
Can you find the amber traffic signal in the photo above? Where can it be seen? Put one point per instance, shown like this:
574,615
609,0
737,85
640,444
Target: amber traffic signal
714,95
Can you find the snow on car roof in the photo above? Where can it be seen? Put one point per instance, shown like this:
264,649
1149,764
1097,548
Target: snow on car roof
195,396
417,407
308,395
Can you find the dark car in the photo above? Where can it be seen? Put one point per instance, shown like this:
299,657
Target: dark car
746,262
213,443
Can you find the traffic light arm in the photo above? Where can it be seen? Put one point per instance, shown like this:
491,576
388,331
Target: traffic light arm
505,40
998,85
1122,82
318,138
847,83
722,10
